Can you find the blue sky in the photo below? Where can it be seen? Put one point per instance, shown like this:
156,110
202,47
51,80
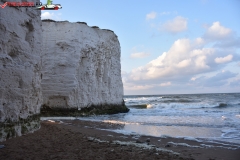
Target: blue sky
168,46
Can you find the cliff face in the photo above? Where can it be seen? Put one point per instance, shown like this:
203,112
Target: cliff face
20,90
81,66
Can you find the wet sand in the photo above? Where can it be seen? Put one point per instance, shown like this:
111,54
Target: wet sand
75,139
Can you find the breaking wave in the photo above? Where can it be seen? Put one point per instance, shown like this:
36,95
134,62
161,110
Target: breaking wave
221,105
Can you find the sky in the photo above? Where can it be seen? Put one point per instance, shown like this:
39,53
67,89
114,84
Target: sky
167,46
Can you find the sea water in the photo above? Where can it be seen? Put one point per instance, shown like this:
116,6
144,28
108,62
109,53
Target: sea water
193,116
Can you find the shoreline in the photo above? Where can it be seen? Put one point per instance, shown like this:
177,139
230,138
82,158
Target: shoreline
77,139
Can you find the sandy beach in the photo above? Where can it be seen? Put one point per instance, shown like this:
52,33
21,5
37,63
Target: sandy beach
75,139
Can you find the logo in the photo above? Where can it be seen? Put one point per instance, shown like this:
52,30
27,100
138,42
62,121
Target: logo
49,6
38,5
4,5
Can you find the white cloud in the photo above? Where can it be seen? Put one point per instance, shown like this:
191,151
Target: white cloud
229,43
178,24
47,15
137,87
218,79
193,78
217,31
181,59
228,58
189,62
140,55
199,41
235,82
53,16
184,63
165,13
165,84
151,15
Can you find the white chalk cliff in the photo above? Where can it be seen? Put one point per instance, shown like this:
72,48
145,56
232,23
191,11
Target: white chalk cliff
54,65
20,50
81,66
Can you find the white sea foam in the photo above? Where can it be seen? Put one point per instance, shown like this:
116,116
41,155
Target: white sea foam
214,146
164,136
51,121
192,139
57,118
224,118
149,106
232,147
184,145
211,116
119,122
145,146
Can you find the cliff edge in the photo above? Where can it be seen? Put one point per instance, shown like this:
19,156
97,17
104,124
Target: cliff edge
81,70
